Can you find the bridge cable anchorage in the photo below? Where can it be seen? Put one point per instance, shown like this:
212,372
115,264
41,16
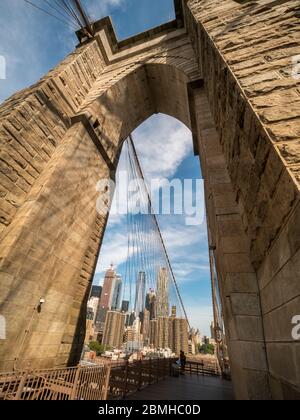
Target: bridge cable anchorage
148,265
84,16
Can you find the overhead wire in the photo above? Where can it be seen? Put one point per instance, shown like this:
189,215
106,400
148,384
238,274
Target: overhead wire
68,7
68,12
146,253
57,9
162,245
65,22
141,232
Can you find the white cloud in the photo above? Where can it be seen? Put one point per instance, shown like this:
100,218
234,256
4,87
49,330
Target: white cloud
114,250
181,236
184,270
31,43
186,250
97,9
164,137
200,316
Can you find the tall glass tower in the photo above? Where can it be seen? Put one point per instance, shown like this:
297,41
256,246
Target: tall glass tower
140,294
117,291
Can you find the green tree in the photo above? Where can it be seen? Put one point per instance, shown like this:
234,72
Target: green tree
207,349
97,347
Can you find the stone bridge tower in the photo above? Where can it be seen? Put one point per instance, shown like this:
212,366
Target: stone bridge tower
225,69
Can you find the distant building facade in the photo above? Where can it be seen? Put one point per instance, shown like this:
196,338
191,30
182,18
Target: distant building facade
181,335
163,332
96,292
150,303
140,294
162,293
116,295
125,306
110,297
93,304
146,327
114,329
153,333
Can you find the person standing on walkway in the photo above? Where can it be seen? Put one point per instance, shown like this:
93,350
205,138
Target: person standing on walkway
182,362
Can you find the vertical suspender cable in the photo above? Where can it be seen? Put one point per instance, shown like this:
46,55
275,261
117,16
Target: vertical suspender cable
158,228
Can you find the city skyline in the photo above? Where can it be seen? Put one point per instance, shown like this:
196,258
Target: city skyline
146,300
151,321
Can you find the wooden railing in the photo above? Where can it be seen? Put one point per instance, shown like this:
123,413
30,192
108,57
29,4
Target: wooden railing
132,377
80,383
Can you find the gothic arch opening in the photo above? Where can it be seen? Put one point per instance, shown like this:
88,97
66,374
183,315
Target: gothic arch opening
127,100
165,150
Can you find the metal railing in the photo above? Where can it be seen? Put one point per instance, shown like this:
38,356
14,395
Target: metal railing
202,368
132,377
79,383
104,382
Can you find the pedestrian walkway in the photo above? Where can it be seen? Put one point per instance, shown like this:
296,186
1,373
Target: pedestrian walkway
187,387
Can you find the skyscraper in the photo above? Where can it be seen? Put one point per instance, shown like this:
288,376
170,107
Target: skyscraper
96,291
151,303
131,319
114,329
100,318
136,327
93,304
117,291
153,333
110,297
180,335
163,332
171,333
108,288
128,335
139,305
146,327
125,306
162,300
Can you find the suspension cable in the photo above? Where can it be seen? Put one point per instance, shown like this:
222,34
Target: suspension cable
47,12
158,228
68,12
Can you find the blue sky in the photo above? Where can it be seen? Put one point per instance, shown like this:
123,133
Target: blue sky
32,43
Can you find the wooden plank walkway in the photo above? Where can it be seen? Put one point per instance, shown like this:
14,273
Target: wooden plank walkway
187,387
